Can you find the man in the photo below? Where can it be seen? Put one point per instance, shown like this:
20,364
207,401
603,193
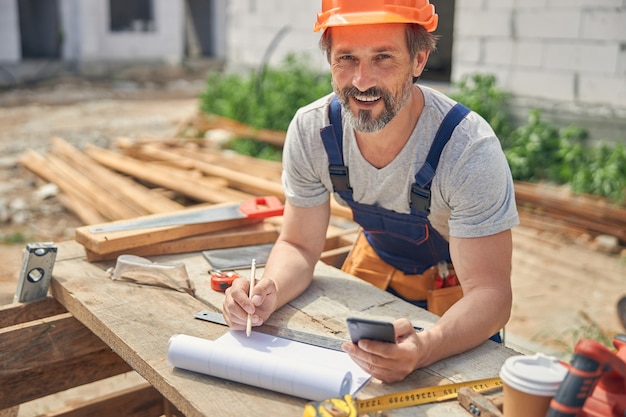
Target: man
458,207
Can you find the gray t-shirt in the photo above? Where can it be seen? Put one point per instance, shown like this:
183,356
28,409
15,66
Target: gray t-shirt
472,191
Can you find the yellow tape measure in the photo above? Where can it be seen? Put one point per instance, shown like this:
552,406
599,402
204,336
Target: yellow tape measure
349,407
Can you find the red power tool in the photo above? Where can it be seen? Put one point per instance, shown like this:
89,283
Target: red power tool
595,385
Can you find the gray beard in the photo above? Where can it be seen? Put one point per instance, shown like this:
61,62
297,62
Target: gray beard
364,121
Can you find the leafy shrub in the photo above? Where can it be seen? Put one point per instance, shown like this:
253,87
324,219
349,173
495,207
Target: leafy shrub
264,99
536,151
540,151
479,93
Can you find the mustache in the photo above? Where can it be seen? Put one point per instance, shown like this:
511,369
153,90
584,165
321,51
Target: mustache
370,92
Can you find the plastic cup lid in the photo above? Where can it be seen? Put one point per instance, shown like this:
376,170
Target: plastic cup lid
537,375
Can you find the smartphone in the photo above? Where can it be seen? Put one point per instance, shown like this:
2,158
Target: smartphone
370,329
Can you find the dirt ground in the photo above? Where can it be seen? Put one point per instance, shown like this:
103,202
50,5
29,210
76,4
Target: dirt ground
563,288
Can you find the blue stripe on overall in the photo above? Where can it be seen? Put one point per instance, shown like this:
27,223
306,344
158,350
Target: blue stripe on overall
408,242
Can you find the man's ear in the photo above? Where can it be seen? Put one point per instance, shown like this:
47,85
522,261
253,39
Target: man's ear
420,62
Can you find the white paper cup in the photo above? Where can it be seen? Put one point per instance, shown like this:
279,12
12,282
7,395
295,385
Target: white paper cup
530,383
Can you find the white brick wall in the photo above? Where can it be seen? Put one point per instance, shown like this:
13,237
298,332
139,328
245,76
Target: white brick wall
88,37
253,25
9,32
561,50
565,55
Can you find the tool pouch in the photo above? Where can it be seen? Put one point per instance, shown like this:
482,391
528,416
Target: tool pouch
441,299
363,262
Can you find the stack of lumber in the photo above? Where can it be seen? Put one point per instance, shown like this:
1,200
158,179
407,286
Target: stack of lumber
150,177
153,178
546,207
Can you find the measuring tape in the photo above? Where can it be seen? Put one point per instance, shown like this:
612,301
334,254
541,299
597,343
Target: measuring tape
349,407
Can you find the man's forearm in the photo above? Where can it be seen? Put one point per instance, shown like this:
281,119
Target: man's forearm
467,324
291,271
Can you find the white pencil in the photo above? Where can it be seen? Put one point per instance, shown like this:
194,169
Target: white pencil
252,274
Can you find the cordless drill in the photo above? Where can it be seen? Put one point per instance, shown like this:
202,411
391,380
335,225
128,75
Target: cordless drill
595,385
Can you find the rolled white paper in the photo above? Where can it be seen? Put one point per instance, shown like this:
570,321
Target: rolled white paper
261,369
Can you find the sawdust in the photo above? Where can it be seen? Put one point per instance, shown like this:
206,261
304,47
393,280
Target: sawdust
559,284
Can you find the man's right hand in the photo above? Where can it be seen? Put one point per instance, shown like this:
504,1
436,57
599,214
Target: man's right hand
237,305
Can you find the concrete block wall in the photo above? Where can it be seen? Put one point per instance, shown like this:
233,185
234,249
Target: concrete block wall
88,37
9,32
257,28
566,56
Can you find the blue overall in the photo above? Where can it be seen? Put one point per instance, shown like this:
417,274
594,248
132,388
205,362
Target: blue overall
407,242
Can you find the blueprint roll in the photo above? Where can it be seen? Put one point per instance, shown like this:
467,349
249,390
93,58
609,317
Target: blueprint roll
261,369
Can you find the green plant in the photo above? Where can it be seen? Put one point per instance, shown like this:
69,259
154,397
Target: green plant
604,173
541,151
265,99
14,238
480,93
588,329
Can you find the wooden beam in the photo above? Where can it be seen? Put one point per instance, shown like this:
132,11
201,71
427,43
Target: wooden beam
50,355
247,235
118,186
204,122
139,401
17,313
80,205
109,242
178,181
571,211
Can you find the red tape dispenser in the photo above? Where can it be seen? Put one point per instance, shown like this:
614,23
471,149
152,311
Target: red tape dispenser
221,281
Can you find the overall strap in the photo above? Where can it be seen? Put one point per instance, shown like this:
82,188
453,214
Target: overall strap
332,138
420,190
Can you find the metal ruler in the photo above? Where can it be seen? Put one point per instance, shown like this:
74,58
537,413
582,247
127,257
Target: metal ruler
295,335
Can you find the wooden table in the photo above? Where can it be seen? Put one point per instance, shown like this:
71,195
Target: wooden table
137,321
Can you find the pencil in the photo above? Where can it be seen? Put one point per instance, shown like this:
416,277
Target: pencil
252,274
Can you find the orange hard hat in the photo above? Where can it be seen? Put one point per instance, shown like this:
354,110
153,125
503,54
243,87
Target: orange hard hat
365,12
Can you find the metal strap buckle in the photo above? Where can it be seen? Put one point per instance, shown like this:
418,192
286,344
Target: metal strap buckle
420,198
339,178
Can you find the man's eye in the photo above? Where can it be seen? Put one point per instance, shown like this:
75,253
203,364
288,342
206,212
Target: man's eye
383,56
346,58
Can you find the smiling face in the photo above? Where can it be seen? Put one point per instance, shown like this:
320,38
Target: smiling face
372,73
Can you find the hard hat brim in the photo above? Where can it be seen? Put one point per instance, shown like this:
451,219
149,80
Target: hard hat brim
371,17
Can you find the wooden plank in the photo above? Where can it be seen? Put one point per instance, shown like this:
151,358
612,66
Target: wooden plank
92,192
252,184
109,242
117,186
247,235
137,322
86,213
179,182
139,401
17,313
50,355
204,122
80,205
270,170
235,179
582,212
10,412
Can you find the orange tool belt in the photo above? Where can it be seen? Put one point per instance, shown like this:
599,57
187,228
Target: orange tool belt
363,262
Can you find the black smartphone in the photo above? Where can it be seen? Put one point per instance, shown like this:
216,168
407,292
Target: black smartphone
370,329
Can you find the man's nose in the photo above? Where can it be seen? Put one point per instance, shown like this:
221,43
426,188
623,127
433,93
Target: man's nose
364,77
